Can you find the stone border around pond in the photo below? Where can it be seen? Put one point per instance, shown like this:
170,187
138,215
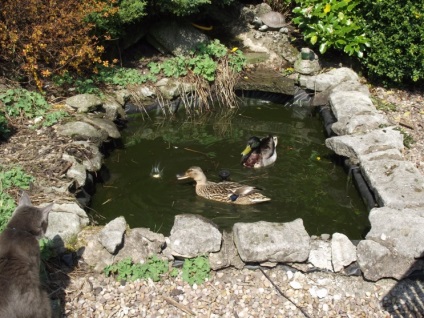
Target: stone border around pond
394,246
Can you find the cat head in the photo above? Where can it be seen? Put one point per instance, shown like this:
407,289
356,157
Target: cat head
29,218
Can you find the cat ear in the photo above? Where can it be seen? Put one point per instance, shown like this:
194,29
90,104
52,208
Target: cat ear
24,200
46,210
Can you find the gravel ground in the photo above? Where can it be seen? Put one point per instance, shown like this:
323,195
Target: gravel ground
278,292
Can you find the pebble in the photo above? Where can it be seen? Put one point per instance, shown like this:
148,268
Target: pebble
228,295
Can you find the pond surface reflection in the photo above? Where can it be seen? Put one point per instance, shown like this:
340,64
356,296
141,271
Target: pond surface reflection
305,182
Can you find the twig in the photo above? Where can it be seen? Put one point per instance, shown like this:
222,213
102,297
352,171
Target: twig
192,150
179,306
282,294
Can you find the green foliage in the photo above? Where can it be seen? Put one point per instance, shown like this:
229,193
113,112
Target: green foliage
114,16
205,62
131,11
54,117
204,65
7,206
13,177
20,102
46,248
186,7
396,30
4,129
407,138
196,270
331,24
121,76
113,75
154,268
383,105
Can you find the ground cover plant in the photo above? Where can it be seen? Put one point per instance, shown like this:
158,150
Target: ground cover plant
11,177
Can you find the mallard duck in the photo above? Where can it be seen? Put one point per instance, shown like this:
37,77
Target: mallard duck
228,192
260,152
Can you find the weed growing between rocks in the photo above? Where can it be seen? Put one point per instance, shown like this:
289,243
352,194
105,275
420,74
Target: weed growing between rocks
195,270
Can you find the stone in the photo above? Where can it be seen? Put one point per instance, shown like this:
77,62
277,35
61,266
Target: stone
140,244
343,252
76,171
323,81
367,146
322,98
275,242
79,130
193,235
395,184
400,229
93,253
111,236
95,161
84,102
355,113
113,108
171,36
227,255
359,124
65,222
320,254
377,261
104,124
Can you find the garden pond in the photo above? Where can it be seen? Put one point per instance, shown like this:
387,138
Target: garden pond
307,181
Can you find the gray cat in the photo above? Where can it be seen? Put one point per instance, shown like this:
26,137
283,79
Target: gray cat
21,293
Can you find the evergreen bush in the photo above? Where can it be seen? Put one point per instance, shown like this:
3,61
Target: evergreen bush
396,32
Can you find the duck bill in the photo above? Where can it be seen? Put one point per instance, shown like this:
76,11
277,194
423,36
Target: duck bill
246,150
182,176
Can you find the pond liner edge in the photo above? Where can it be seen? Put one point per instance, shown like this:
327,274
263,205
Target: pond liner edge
360,183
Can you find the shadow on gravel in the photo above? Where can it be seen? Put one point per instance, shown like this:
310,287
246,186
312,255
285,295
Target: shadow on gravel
406,298
55,270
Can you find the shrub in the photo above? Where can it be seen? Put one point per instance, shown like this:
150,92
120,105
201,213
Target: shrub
185,7
331,24
124,12
45,37
396,30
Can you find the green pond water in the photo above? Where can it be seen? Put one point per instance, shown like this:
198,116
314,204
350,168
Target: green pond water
305,182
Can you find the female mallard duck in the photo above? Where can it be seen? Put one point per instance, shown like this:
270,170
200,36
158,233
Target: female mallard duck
228,192
260,152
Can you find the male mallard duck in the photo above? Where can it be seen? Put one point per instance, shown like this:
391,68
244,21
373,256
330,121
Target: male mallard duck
228,192
260,152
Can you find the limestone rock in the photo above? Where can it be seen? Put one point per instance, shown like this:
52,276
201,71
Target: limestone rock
193,235
111,236
276,242
343,252
140,244
320,254
84,102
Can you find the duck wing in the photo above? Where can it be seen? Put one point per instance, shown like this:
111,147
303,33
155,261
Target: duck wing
267,147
